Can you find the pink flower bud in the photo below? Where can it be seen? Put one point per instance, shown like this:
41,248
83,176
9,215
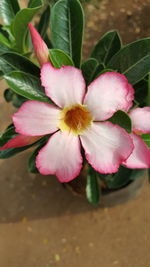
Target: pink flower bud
40,48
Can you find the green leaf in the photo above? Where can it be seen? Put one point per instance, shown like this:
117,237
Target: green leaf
100,70
120,179
8,95
66,25
117,180
122,119
136,173
148,96
12,61
32,160
48,41
26,85
17,100
133,60
141,93
59,58
4,40
146,139
107,46
20,24
44,22
149,175
89,68
8,134
92,187
8,9
3,49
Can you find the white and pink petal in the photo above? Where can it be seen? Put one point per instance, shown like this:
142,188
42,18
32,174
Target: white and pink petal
107,94
140,157
65,86
140,120
106,146
61,156
36,118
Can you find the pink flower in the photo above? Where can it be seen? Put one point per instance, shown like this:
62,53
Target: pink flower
40,48
78,120
140,157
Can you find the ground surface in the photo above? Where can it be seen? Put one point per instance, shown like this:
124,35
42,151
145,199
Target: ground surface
43,225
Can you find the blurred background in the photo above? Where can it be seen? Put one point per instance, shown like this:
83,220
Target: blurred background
41,223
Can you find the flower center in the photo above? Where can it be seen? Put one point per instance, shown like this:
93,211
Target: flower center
75,118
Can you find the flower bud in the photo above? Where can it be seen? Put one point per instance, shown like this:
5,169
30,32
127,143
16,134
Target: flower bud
40,47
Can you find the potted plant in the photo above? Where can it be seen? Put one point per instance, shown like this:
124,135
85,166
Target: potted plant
88,122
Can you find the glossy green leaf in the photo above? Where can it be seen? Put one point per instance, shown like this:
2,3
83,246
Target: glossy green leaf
8,95
7,153
92,187
119,179
59,58
133,60
89,68
146,139
8,9
32,160
3,49
12,61
107,46
20,24
11,96
44,22
26,85
122,119
48,41
66,25
4,40
141,93
100,70
148,95
8,134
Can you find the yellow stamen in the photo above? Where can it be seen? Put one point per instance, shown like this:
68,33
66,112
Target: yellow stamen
75,118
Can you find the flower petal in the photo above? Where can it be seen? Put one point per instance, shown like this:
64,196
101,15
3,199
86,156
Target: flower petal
140,119
65,86
40,47
140,157
20,141
36,118
106,145
61,156
107,94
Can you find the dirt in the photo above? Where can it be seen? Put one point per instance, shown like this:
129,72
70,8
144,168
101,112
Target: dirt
44,225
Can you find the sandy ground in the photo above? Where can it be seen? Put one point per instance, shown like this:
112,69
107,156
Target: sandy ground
44,225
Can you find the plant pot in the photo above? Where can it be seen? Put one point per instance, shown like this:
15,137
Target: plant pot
109,197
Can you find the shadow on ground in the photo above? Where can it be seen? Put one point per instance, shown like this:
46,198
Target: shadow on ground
33,196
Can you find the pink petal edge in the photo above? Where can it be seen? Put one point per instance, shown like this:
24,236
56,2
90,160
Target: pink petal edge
61,156
36,118
140,120
107,94
98,154
65,86
140,157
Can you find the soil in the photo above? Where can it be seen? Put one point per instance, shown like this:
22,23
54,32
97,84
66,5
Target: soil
44,225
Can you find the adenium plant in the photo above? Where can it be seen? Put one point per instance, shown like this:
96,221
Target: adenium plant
96,112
